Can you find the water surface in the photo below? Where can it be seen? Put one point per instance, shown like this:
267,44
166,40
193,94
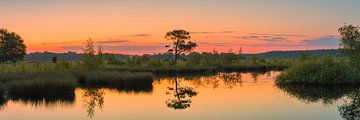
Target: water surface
225,96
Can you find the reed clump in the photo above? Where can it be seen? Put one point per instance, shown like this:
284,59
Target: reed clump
114,79
45,83
326,70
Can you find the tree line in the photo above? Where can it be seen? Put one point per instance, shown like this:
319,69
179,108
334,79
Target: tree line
13,49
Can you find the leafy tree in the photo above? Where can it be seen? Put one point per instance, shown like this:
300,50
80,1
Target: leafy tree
350,42
179,43
12,47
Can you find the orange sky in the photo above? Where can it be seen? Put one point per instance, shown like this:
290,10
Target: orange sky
138,27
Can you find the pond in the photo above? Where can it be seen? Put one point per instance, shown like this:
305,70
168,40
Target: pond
224,96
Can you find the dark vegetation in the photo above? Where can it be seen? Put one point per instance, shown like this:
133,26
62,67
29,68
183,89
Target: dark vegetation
2,92
323,70
125,81
42,84
296,54
73,56
326,94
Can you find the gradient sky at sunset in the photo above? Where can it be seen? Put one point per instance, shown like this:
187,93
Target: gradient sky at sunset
138,26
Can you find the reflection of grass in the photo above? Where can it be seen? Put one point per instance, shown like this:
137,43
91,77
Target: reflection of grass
47,100
43,88
255,68
325,94
2,99
37,85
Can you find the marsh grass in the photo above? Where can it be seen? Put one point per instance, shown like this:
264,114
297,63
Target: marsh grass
163,70
326,70
24,67
113,79
43,84
186,70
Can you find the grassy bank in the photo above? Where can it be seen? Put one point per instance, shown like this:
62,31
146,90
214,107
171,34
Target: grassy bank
45,83
53,85
325,70
187,68
114,79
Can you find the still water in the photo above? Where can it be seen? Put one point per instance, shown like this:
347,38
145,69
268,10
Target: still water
225,96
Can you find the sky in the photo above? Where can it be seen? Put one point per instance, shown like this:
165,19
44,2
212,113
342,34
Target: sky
139,26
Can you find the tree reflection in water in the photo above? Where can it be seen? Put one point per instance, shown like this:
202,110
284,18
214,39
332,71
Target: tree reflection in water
231,80
351,109
182,96
327,95
93,99
208,81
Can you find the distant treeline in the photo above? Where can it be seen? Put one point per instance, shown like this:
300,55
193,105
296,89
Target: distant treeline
72,56
296,53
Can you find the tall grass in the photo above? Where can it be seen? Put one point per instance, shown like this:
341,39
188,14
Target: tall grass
186,68
44,84
24,67
113,79
163,70
325,70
